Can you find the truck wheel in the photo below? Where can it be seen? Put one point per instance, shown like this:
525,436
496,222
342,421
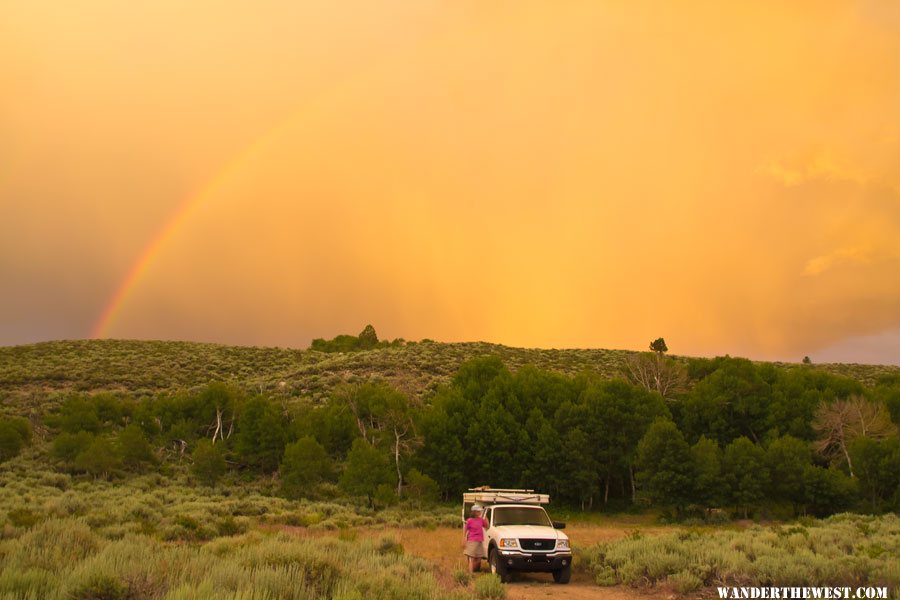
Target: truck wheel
563,575
498,567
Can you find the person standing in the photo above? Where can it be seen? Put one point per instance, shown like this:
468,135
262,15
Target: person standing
474,538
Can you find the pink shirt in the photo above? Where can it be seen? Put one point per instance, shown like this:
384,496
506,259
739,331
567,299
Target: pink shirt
475,529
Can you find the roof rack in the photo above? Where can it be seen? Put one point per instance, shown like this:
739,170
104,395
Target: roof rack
488,495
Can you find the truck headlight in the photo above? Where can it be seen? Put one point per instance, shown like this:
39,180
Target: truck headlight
508,543
562,544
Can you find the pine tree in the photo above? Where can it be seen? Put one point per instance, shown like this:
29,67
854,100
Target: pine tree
305,465
260,437
706,462
664,463
827,491
366,469
209,462
877,464
787,459
134,448
99,459
421,488
368,339
746,473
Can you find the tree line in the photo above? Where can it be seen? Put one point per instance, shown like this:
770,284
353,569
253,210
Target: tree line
731,434
366,340
687,436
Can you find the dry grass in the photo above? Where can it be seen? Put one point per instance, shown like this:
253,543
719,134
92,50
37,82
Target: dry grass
63,559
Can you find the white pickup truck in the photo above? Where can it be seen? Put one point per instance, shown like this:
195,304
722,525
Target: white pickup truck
521,536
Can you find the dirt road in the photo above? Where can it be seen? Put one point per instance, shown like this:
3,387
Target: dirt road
443,548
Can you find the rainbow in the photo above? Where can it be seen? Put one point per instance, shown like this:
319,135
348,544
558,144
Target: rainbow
187,208
139,267
150,252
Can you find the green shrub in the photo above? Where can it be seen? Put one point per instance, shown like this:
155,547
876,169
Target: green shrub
307,519
605,576
100,459
229,526
99,587
134,448
27,583
209,462
67,446
10,442
389,545
684,582
462,577
489,587
188,522
60,481
22,426
421,488
52,545
23,517
817,553
385,495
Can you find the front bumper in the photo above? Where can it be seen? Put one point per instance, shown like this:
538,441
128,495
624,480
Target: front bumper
535,561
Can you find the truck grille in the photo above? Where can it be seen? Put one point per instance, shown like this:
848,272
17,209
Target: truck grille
532,544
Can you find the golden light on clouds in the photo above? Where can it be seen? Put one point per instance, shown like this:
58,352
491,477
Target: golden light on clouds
530,173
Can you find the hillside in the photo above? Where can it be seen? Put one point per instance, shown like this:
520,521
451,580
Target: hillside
31,374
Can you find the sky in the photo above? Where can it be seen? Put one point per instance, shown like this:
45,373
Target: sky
553,174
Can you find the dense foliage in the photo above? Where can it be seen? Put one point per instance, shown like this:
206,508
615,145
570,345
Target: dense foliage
732,434
741,435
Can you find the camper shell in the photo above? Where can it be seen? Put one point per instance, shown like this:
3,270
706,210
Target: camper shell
487,496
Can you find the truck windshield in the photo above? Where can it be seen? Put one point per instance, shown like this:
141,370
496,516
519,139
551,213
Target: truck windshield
520,515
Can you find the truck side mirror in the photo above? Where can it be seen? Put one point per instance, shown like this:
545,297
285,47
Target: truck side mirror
559,525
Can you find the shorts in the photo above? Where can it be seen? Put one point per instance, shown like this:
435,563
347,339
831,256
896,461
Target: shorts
474,549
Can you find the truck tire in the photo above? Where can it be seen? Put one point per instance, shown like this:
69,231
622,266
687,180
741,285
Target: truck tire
498,567
563,575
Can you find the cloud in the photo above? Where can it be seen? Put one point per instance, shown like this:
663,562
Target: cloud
820,264
860,255
820,166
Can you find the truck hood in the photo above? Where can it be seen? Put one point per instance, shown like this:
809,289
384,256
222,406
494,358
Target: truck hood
536,532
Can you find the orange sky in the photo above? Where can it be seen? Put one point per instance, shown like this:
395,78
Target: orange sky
558,174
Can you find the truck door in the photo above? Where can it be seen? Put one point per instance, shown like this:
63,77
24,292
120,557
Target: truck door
488,516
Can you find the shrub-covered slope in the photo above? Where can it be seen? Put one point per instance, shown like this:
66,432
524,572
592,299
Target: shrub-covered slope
31,374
